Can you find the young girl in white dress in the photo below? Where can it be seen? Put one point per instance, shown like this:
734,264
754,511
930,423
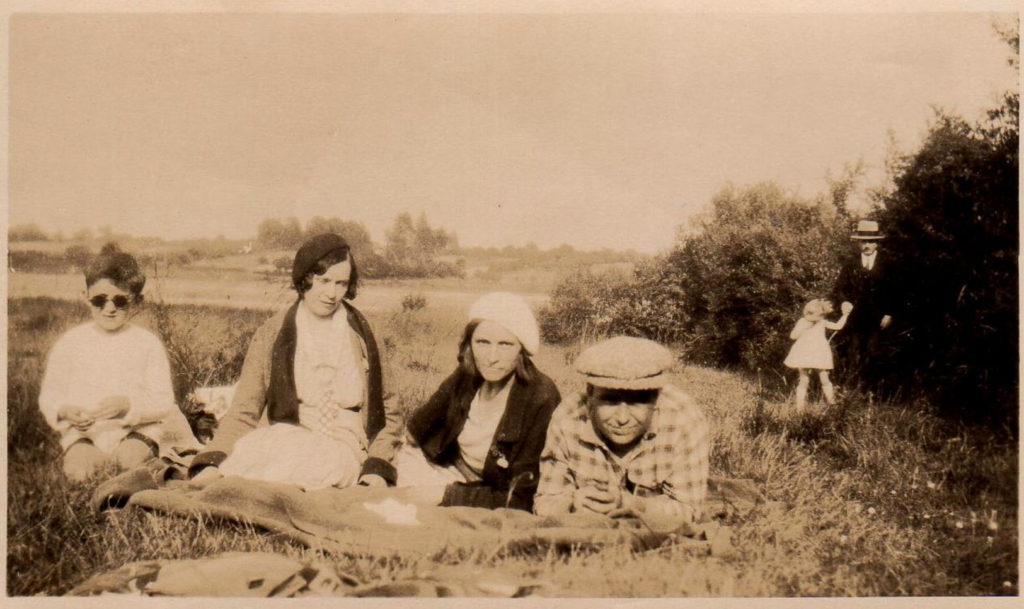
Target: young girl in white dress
811,350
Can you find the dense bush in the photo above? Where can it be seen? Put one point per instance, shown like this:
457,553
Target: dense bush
953,217
758,257
586,305
729,291
203,349
413,302
582,305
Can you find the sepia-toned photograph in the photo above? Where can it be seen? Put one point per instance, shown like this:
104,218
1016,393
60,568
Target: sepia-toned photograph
583,300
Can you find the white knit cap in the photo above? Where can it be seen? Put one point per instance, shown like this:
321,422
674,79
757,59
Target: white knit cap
512,313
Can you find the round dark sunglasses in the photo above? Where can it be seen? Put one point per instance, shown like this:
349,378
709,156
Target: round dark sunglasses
100,300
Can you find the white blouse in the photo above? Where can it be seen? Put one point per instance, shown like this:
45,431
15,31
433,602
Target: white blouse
481,424
329,376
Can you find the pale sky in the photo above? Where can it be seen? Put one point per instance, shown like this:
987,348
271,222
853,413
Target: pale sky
596,130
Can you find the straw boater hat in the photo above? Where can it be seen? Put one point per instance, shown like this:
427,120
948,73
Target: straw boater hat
867,230
624,362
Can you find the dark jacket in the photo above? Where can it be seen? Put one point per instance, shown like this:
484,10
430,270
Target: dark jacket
873,293
514,456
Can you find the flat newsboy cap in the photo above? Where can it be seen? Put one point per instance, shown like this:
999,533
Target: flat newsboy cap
313,250
625,362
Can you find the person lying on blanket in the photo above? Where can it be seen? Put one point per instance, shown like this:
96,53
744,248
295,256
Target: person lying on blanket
631,445
314,369
107,386
476,442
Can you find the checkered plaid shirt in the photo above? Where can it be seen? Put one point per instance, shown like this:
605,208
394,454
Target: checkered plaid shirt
671,459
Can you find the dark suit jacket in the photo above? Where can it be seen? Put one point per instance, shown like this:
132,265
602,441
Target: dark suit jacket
873,293
515,451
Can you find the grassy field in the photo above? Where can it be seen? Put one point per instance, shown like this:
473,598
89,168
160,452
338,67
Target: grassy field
878,499
242,289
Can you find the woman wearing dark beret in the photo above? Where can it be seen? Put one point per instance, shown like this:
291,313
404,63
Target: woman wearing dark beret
314,369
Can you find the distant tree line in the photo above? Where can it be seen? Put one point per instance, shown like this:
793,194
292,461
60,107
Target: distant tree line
149,252
511,258
31,232
412,249
26,232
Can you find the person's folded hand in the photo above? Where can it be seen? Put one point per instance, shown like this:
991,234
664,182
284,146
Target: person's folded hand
601,500
113,407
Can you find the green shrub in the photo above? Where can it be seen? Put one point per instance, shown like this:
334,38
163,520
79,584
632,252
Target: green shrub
759,256
728,293
413,302
591,305
953,221
282,264
205,345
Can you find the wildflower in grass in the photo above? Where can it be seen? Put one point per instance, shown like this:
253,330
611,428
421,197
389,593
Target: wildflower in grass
871,511
992,524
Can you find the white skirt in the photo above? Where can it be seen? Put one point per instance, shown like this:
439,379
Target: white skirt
295,455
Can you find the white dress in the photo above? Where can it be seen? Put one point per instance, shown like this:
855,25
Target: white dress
811,348
328,446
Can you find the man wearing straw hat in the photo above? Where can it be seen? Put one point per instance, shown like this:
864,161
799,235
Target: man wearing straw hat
631,444
865,280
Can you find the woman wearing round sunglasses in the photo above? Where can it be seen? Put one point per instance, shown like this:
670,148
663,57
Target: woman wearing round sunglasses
107,386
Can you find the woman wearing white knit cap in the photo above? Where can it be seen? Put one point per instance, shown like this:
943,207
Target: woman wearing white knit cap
477,440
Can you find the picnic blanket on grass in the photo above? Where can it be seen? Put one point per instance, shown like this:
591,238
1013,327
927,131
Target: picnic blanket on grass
389,521
265,574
